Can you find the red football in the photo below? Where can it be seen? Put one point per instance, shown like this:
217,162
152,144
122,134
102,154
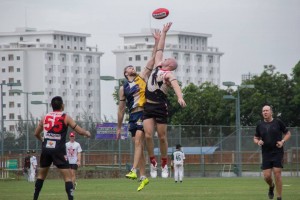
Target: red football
160,13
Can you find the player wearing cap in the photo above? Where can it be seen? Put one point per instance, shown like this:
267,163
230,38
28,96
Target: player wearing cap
55,128
74,156
177,163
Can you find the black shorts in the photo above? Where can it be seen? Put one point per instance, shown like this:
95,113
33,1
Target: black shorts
58,158
271,160
159,112
73,166
135,122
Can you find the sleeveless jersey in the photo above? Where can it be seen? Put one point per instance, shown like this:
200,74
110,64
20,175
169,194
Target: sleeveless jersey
157,87
55,131
135,93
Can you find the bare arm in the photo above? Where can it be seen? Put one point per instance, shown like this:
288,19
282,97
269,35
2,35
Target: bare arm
70,122
121,110
150,64
161,43
79,159
172,80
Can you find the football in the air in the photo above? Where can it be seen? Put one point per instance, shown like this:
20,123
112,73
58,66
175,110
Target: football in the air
160,13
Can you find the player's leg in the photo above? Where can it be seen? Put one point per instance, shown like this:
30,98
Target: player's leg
176,171
66,173
180,172
149,130
278,180
40,181
163,144
268,179
73,175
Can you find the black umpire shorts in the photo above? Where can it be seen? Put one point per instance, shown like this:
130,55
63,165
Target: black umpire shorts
271,160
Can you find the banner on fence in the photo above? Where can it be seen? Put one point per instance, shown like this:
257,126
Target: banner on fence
109,131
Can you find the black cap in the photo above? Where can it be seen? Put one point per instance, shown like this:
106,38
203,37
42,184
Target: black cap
178,146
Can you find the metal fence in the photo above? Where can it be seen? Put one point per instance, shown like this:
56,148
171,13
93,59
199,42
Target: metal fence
217,157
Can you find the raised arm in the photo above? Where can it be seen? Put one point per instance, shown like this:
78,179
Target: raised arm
121,111
150,64
161,43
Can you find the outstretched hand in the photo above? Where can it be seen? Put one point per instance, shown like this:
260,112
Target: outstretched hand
156,35
167,26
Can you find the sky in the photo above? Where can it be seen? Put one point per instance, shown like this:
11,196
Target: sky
250,33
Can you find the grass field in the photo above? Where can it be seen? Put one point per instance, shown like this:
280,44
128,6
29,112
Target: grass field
191,188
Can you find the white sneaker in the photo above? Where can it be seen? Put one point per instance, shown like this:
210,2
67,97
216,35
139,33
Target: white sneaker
153,170
165,172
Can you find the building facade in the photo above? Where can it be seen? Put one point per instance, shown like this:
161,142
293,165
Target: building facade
197,62
56,63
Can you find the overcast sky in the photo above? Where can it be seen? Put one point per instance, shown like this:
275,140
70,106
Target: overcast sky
250,33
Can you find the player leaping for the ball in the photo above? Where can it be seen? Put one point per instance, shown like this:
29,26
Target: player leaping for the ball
132,95
156,108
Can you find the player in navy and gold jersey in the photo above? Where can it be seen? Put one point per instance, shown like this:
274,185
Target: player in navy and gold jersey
132,96
55,127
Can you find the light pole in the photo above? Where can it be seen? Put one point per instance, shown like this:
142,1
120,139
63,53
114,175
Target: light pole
237,122
111,78
40,102
2,116
27,105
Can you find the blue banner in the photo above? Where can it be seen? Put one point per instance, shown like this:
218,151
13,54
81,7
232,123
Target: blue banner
109,131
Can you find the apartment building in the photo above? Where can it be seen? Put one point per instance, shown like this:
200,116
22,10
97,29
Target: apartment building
197,62
52,63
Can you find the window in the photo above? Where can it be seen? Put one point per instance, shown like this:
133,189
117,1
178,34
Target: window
75,48
11,80
81,39
63,82
10,57
68,38
61,37
21,38
11,127
62,46
145,57
3,70
130,58
3,58
54,37
137,57
75,39
11,104
55,46
76,60
18,58
50,81
37,39
11,116
19,117
19,105
138,68
18,70
10,69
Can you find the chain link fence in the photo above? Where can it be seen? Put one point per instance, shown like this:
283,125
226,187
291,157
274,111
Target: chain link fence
211,151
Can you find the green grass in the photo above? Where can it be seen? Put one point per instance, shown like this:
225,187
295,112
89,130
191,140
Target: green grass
191,188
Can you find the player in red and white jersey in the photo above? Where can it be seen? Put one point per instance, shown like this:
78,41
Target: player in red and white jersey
55,127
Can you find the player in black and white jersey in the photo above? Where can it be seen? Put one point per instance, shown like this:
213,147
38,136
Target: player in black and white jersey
55,127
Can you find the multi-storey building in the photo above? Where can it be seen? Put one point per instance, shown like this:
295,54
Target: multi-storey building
197,62
57,63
